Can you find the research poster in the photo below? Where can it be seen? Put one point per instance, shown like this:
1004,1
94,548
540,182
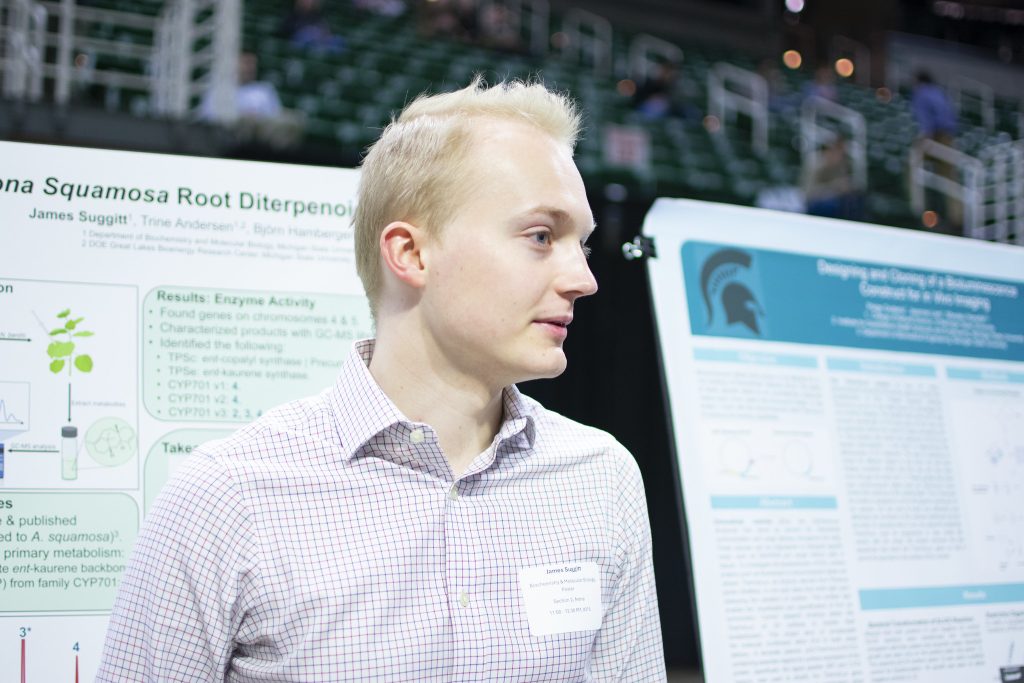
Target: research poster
847,404
148,303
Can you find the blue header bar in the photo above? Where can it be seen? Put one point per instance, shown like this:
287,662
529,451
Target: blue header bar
999,376
757,294
755,358
880,367
946,596
773,503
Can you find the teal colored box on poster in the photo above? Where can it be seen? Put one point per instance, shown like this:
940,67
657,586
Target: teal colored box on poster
758,294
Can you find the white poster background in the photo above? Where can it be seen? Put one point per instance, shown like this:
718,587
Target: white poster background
224,267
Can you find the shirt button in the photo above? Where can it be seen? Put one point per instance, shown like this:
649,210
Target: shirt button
416,436
464,598
453,492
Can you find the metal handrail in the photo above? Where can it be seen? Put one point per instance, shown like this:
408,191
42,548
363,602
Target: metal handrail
968,191
814,134
1003,199
640,50
23,50
109,47
175,62
115,79
47,39
203,59
107,16
725,103
599,40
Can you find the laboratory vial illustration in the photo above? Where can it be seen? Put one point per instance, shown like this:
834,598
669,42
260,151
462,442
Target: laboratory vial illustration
69,452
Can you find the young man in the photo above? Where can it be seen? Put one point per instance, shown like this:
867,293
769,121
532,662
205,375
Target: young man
421,520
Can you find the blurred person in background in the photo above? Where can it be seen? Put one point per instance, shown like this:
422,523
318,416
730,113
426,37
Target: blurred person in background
662,94
823,85
781,100
829,186
937,120
654,98
451,19
498,29
306,26
383,8
261,118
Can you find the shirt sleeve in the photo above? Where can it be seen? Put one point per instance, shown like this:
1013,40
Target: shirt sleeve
628,647
178,604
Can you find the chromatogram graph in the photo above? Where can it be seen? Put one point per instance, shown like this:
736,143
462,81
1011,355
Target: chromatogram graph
14,406
8,418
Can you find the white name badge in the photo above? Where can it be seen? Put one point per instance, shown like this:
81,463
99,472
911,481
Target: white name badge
562,597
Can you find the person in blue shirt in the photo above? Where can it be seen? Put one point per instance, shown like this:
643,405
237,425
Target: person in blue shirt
937,120
932,110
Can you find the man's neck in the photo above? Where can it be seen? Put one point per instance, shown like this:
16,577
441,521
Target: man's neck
465,413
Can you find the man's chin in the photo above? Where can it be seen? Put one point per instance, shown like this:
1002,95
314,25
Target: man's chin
553,367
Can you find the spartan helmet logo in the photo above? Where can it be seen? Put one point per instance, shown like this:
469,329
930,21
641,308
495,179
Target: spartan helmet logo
718,281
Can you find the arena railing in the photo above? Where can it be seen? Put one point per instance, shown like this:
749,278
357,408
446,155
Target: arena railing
22,34
821,120
641,50
588,32
1002,217
174,58
951,173
76,59
732,91
196,55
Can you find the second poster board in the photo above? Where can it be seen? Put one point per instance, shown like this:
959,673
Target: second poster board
847,403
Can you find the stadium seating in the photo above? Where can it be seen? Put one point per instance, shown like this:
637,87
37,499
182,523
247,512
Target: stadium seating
348,97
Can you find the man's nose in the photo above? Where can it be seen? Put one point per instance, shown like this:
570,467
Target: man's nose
578,279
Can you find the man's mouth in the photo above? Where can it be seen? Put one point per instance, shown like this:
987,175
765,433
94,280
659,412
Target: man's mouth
557,327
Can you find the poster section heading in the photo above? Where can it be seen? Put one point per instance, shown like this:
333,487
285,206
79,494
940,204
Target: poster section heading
779,296
182,196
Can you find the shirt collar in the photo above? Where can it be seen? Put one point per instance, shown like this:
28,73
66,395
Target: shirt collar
518,418
362,409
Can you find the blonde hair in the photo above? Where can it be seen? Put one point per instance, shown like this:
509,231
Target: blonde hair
416,172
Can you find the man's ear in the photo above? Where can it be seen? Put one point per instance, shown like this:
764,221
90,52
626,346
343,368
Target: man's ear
400,245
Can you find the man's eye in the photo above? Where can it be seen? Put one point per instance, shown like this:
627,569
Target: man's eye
586,250
542,237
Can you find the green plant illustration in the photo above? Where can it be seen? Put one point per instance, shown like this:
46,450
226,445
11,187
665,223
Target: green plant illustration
63,352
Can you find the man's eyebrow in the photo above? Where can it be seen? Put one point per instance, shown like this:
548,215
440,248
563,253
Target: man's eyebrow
559,215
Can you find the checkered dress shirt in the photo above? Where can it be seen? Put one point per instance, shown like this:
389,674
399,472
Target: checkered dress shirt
329,541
